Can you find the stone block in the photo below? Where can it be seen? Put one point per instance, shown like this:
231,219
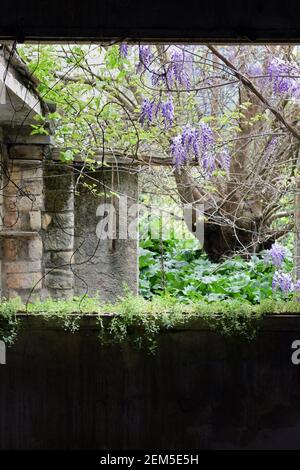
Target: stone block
59,293
30,152
58,259
34,187
10,249
24,280
14,249
24,203
32,173
61,219
11,293
35,220
12,187
35,249
59,279
13,220
61,178
59,201
57,239
22,267
14,173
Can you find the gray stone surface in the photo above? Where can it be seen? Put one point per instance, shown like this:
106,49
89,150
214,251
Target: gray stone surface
61,219
59,279
58,230
104,267
66,233
59,200
56,239
58,259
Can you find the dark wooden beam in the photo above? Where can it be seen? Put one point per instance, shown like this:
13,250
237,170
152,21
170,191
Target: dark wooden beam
156,20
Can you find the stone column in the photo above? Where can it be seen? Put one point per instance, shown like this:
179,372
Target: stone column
58,230
21,231
106,266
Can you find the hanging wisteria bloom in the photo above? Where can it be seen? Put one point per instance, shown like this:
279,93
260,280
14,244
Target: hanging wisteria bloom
254,69
145,57
206,147
167,111
224,158
190,141
256,72
280,75
270,150
283,282
276,255
157,78
123,50
177,69
178,151
151,109
173,72
195,143
148,109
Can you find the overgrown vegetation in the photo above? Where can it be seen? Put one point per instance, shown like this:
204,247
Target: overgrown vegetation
199,114
180,269
138,321
179,287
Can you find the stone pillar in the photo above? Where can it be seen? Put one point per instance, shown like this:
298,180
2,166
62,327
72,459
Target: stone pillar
105,266
21,232
58,230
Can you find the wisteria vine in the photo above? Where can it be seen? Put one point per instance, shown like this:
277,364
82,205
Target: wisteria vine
198,143
282,281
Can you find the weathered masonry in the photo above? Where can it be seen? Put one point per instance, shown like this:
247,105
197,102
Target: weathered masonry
48,239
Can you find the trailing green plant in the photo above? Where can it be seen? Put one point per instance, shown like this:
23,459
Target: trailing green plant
9,322
137,321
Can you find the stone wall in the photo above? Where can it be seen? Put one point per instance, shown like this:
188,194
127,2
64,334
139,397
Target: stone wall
23,202
103,265
49,245
58,230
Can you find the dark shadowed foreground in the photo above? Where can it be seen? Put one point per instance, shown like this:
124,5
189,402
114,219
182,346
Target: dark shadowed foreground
61,390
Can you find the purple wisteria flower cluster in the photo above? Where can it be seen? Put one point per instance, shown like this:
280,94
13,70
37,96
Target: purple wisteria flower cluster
284,282
276,255
225,159
280,74
167,111
154,109
170,73
198,143
173,72
270,150
177,71
123,50
145,58
281,280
